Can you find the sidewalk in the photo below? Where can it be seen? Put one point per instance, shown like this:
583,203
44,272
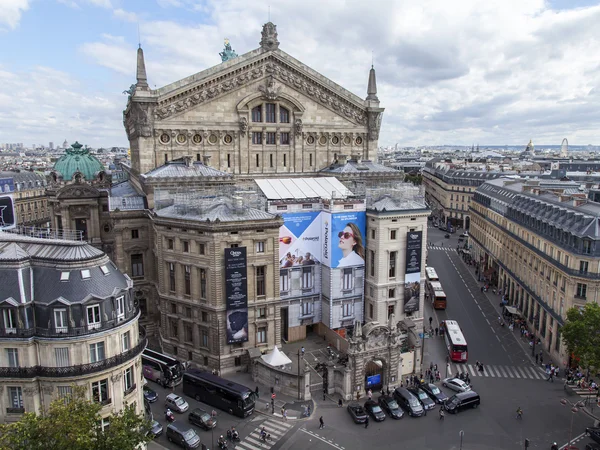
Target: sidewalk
295,408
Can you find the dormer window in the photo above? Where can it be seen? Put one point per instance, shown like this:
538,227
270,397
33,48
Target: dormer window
85,274
104,270
93,317
60,320
64,276
120,308
9,317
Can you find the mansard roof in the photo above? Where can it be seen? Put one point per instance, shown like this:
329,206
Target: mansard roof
180,168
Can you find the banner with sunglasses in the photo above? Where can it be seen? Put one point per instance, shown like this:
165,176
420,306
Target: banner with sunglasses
412,274
300,239
345,247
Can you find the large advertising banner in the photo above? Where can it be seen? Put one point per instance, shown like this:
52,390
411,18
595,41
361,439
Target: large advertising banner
7,185
412,274
346,243
236,294
300,239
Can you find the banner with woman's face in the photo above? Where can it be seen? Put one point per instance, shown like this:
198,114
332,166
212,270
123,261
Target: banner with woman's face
346,243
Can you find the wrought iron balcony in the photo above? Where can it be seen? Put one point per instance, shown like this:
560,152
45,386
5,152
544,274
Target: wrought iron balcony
73,371
15,410
69,331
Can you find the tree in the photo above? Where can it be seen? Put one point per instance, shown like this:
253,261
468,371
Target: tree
581,334
74,423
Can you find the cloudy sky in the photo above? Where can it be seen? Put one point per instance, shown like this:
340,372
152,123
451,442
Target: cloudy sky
459,72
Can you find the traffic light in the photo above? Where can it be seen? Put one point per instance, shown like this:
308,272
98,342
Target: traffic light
526,443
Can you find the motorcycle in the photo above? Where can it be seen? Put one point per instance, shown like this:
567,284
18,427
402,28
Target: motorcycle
169,416
223,445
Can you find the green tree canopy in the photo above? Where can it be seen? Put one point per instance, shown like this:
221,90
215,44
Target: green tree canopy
581,334
74,423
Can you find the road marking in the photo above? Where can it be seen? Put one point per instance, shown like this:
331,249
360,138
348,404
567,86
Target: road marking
321,439
486,319
497,337
472,370
576,438
501,370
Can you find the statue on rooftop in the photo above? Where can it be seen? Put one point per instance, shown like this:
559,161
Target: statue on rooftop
227,53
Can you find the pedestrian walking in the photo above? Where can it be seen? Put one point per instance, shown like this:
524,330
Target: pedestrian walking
321,423
285,415
436,331
431,365
550,375
370,394
302,351
256,391
357,395
537,358
430,320
340,403
441,413
324,398
367,422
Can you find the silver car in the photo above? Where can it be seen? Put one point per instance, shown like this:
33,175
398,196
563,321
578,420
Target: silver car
456,384
176,403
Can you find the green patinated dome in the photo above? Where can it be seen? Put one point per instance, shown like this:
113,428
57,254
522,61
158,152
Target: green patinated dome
78,159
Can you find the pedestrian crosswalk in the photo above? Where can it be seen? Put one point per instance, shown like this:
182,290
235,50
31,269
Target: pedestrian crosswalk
277,429
498,371
437,247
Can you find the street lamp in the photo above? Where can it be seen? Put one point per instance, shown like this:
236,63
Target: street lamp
299,374
461,433
574,409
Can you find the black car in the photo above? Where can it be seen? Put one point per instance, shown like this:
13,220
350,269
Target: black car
375,410
150,395
594,433
357,413
202,419
434,392
409,402
389,405
423,398
592,446
156,429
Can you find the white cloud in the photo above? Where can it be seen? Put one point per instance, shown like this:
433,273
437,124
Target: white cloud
499,71
125,15
45,104
10,13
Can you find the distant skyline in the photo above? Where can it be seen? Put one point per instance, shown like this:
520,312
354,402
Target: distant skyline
501,72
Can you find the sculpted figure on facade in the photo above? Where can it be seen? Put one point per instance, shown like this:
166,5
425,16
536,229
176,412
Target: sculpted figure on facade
271,90
243,126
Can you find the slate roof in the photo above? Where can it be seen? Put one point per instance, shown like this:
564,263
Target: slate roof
179,169
581,220
354,166
124,197
387,203
221,209
25,179
46,260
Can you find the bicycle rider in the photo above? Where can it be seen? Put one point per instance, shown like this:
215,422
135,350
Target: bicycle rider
519,413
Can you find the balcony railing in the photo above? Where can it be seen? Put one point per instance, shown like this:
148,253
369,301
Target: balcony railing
73,371
15,410
67,331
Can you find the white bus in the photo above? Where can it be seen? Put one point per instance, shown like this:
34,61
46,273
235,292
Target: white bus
431,274
455,341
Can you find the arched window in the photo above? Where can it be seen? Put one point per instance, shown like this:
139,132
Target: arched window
284,115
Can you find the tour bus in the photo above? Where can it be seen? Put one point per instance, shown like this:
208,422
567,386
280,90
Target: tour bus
431,274
161,369
213,390
437,294
455,341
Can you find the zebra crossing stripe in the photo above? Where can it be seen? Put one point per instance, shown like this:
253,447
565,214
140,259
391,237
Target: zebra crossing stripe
490,371
246,446
502,371
281,426
472,370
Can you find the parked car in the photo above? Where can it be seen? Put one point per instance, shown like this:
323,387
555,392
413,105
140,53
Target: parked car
461,401
156,429
594,433
374,410
434,392
176,403
357,412
592,446
456,384
409,402
150,395
390,405
202,419
423,398
182,436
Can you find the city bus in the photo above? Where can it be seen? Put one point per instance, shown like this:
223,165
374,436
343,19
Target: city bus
162,369
213,390
436,294
431,274
455,341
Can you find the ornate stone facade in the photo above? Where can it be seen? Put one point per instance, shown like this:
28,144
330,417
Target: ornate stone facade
181,119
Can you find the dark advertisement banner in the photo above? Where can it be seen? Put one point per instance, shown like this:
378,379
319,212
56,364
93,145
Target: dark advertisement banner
412,274
236,294
7,212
